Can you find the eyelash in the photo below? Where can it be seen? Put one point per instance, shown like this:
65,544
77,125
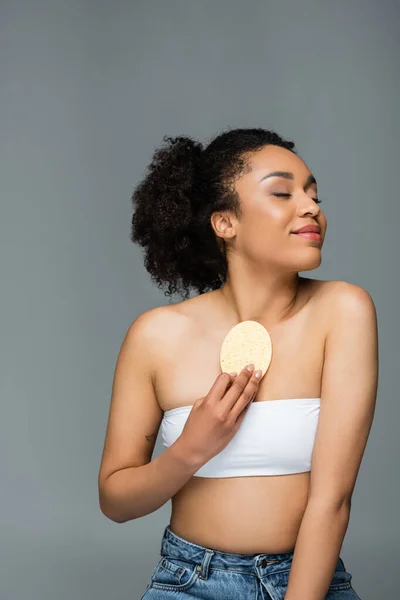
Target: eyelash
317,200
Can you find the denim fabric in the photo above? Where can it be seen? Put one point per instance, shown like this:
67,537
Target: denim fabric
186,570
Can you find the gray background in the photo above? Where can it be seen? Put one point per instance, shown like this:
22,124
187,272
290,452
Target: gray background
87,91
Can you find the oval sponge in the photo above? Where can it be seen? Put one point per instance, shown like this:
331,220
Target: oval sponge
247,342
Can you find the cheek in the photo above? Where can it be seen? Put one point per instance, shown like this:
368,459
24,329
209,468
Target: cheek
260,231
276,218
267,223
264,228
261,240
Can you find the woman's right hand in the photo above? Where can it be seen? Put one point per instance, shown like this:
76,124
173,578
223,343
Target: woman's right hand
216,417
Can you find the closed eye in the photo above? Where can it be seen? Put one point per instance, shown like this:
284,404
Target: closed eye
317,200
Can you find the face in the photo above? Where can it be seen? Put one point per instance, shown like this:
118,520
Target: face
272,208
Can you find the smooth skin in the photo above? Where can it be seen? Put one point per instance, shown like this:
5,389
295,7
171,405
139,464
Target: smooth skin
325,344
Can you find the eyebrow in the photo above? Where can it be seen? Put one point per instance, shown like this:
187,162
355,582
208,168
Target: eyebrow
287,175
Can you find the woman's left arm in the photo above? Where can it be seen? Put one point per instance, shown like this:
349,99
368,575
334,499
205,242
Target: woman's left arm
348,398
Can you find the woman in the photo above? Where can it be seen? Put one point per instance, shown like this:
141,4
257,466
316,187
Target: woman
222,221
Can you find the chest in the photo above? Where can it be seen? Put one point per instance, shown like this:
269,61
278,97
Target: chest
190,365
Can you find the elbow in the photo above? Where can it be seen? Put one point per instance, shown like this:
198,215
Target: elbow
110,514
110,507
116,498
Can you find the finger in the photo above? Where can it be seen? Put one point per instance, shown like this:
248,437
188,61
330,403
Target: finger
237,415
247,395
243,378
220,385
237,420
238,387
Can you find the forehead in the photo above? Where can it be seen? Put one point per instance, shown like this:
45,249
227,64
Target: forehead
274,158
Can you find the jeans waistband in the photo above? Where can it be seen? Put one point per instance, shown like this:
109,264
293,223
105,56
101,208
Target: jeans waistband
175,546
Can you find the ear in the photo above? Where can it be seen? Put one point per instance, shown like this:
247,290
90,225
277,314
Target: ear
224,225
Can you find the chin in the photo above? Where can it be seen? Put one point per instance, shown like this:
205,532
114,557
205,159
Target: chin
310,262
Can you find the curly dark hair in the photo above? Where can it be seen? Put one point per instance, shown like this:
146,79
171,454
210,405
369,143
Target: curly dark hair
184,184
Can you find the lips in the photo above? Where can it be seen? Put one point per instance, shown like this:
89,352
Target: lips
310,232
309,235
308,229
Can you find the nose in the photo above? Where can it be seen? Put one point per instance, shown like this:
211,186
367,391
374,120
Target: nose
308,206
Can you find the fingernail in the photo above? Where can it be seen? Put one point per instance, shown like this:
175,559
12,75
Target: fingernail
233,374
250,367
258,374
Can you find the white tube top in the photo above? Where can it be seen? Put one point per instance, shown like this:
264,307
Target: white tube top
276,437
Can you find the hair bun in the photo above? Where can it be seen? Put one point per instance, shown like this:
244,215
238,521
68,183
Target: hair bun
185,145
185,152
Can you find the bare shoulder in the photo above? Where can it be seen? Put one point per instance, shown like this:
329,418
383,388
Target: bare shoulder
344,305
336,303
157,323
152,325
342,296
161,326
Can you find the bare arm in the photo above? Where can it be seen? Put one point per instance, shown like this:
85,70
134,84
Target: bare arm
130,484
138,491
349,387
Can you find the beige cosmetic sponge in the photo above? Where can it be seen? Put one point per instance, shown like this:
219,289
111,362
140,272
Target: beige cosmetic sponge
247,342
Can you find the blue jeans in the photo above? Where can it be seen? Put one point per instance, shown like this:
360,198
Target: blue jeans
186,571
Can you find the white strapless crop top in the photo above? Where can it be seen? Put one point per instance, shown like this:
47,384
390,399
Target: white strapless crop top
276,437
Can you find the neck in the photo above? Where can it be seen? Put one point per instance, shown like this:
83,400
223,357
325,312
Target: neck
266,296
